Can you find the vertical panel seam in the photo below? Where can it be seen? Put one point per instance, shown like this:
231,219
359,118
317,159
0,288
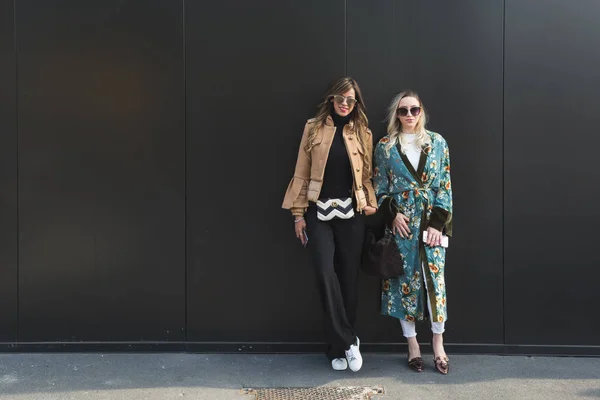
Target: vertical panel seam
346,37
394,41
16,54
185,174
503,171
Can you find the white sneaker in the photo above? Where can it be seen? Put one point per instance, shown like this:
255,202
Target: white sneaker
353,356
339,364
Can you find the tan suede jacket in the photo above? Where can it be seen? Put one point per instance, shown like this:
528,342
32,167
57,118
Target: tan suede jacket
306,184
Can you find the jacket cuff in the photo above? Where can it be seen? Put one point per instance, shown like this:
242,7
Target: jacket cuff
372,202
438,219
298,212
370,195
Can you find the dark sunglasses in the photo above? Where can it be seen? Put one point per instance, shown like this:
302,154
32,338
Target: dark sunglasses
414,111
339,99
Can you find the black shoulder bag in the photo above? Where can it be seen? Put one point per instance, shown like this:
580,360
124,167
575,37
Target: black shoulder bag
381,256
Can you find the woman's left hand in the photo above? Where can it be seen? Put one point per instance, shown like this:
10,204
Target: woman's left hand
369,210
434,237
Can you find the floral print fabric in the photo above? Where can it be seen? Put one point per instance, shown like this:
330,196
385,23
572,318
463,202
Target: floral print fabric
417,193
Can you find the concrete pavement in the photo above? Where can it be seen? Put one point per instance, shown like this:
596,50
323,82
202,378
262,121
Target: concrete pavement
221,377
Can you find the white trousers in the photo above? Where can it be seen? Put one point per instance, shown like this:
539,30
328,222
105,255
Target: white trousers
408,328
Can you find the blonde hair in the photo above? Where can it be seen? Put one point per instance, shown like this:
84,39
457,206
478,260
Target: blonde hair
325,109
394,127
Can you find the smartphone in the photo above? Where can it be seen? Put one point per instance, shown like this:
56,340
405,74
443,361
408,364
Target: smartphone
444,239
305,237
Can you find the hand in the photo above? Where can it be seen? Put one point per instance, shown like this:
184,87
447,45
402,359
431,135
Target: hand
300,227
400,225
434,237
369,210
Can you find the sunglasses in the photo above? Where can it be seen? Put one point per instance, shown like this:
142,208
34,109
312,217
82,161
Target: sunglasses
339,99
414,111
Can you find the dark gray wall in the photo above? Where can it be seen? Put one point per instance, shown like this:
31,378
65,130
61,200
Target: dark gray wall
551,176
101,171
8,175
156,140
255,72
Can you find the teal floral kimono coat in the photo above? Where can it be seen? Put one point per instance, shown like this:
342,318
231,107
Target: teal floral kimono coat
425,197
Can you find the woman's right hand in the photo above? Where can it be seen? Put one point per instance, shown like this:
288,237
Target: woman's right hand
300,227
400,225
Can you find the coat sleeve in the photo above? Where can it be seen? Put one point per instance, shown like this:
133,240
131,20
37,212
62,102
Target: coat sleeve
296,199
441,214
368,171
386,203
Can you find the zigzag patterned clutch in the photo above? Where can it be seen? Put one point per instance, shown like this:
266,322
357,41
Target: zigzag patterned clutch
335,208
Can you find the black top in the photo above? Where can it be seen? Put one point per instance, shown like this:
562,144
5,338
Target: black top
337,178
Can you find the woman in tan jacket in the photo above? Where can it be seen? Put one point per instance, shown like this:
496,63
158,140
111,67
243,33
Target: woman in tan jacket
328,196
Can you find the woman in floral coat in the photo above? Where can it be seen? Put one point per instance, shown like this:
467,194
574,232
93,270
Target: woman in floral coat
412,175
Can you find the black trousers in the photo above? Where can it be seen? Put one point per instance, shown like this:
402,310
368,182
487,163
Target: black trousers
336,248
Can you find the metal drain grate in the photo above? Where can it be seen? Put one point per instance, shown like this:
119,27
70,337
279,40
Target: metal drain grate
316,393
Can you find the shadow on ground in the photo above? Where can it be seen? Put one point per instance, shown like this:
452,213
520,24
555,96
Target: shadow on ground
39,375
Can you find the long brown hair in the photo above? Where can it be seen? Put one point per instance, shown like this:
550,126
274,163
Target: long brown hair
358,115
